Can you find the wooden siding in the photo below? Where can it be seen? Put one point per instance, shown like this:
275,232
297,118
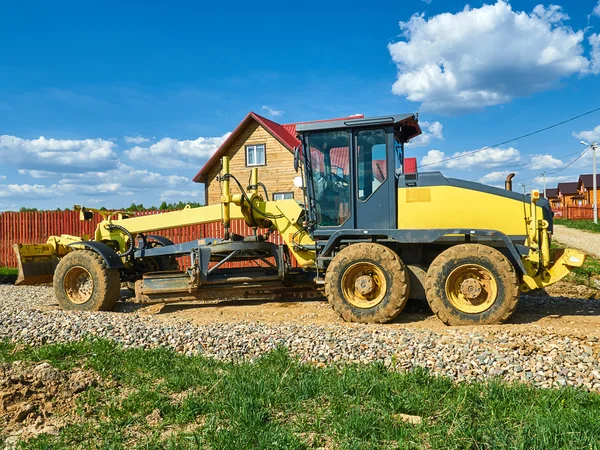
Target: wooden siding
278,174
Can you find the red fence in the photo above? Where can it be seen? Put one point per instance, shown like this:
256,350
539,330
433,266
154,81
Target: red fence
574,212
36,227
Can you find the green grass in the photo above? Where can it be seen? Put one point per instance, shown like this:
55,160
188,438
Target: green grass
8,275
586,225
278,403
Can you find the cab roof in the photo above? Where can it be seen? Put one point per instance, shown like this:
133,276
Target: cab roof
407,125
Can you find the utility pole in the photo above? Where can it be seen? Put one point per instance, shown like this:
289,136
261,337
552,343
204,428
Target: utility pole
594,147
544,175
524,185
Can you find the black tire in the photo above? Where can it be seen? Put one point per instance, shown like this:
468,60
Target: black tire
496,286
389,275
82,282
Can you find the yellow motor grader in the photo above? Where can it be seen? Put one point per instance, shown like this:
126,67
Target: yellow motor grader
370,232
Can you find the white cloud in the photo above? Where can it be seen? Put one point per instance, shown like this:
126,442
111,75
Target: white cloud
136,139
495,177
2,177
552,181
272,111
596,11
124,180
433,159
552,14
123,176
589,136
172,153
430,131
27,191
62,155
539,162
484,56
181,195
594,41
486,157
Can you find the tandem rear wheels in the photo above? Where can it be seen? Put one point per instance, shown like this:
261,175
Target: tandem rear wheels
466,284
82,282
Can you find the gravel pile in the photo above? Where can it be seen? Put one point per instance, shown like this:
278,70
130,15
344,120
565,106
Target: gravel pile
28,315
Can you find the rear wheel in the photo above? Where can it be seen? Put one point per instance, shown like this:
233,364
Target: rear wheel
83,282
472,284
367,283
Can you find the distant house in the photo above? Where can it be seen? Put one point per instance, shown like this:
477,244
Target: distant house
552,196
585,187
568,195
258,142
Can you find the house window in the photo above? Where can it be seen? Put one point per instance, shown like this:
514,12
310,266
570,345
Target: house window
255,155
283,195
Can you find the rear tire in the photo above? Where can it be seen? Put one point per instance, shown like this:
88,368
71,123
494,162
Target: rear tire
367,283
471,284
82,282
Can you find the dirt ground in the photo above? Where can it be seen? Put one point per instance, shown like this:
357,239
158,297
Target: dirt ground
564,309
38,398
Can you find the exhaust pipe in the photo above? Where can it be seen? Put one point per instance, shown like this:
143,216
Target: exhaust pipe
508,182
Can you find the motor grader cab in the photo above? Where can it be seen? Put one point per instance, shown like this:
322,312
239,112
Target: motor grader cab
368,232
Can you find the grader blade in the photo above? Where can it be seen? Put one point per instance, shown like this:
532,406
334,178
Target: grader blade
36,263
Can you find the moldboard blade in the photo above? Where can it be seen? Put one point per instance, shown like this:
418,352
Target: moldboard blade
36,263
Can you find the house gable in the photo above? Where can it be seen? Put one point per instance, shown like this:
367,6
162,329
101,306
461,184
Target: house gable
278,173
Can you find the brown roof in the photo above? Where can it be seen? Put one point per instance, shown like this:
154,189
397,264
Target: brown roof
588,181
569,188
285,134
551,193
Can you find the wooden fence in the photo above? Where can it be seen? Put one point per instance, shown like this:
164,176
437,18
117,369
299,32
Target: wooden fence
585,212
36,227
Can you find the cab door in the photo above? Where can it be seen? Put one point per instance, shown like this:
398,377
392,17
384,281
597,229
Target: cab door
374,206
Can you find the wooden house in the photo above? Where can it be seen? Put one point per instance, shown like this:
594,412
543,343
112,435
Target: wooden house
256,142
585,187
568,195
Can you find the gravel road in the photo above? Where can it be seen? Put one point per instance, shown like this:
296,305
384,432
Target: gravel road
550,341
579,239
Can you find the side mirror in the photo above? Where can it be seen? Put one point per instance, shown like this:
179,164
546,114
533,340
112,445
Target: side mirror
296,158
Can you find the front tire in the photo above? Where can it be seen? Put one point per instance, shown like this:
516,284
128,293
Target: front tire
82,282
470,284
367,283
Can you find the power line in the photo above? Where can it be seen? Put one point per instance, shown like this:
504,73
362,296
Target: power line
514,139
562,168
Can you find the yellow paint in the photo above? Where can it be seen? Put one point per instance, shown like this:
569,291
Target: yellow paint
455,207
418,194
569,259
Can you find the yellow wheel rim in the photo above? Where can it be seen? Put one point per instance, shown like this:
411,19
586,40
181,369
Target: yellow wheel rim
471,289
364,285
79,285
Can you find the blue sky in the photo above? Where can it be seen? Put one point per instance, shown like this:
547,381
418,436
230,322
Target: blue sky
124,102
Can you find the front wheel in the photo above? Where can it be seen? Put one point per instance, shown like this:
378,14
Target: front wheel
367,283
83,282
471,284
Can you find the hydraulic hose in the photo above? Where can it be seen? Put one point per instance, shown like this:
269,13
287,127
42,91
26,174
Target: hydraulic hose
131,248
254,208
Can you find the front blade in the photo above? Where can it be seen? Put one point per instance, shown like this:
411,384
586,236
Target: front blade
36,263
